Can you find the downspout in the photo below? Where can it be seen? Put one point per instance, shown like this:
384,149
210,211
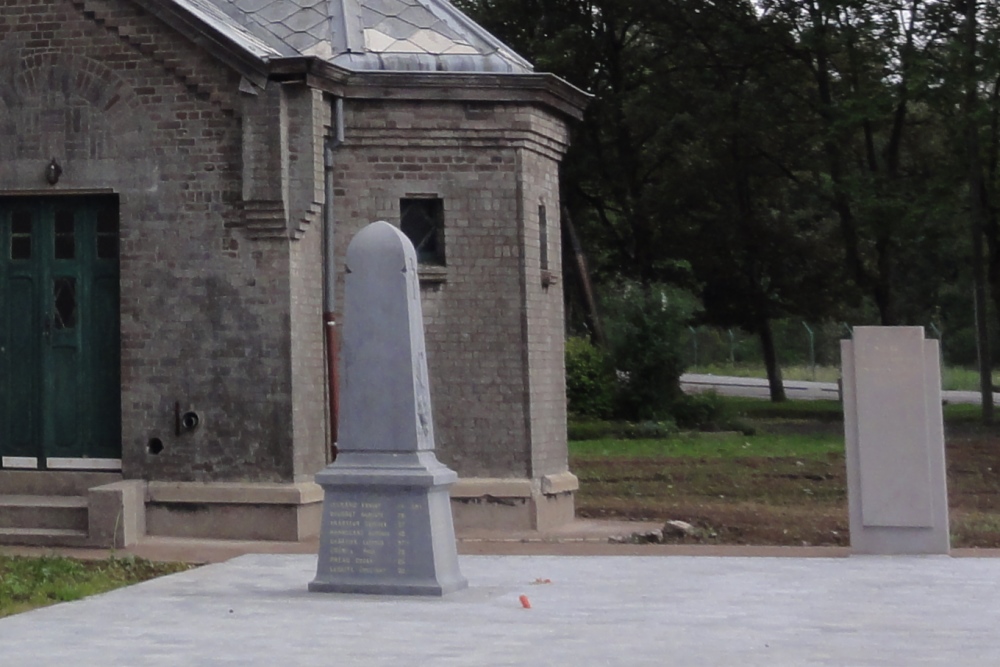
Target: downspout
330,273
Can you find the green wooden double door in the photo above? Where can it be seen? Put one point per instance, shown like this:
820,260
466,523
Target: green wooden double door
60,387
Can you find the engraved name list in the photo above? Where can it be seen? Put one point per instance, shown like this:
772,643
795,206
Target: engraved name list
372,535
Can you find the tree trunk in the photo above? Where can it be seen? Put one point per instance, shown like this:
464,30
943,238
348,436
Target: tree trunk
885,298
774,382
583,275
978,212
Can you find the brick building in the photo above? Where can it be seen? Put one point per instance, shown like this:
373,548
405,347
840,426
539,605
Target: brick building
175,175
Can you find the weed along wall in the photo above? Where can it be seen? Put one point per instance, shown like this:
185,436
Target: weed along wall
206,155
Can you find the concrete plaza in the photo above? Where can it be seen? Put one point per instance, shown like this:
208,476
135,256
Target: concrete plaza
597,610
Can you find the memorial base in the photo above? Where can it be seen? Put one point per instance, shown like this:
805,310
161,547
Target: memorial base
387,526
897,491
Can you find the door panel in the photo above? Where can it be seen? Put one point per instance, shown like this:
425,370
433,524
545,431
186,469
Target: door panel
59,342
106,378
22,351
22,380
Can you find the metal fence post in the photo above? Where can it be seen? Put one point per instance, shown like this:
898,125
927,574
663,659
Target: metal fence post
812,349
694,342
940,337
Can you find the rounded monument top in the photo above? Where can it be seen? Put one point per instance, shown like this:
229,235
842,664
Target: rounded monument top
380,249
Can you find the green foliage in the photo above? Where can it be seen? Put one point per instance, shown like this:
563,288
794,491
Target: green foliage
26,583
706,412
590,380
596,430
645,326
819,411
755,408
783,158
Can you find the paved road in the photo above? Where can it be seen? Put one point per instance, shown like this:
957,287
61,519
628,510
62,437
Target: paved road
677,611
794,389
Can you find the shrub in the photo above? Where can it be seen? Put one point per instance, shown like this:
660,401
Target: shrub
590,430
697,410
645,327
619,430
590,384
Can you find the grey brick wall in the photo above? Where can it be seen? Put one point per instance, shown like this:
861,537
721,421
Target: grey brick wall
308,120
486,385
221,199
126,104
544,315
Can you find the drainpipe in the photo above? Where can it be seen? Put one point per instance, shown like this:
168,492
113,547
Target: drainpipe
330,274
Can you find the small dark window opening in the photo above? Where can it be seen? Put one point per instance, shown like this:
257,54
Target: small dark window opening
422,220
543,237
65,235
20,235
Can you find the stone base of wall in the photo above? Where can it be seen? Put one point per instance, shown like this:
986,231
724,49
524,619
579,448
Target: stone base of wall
119,513
233,511
513,504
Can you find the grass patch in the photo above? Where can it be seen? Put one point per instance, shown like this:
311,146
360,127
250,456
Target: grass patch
966,413
27,583
963,379
784,485
756,408
594,429
712,445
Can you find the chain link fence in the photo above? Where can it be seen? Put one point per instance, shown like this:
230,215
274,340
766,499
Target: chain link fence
798,343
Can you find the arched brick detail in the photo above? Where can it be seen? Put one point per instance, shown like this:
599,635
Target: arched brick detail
182,61
72,100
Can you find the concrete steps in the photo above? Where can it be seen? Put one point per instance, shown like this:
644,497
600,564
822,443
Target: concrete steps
47,508
53,482
44,537
56,512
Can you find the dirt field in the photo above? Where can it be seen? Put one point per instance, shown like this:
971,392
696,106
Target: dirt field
782,500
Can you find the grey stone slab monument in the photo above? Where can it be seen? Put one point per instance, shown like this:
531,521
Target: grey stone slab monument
387,524
897,489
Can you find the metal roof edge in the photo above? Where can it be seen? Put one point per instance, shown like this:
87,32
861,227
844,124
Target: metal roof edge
397,84
259,68
535,87
219,44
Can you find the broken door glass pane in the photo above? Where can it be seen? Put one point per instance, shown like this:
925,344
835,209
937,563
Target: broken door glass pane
64,300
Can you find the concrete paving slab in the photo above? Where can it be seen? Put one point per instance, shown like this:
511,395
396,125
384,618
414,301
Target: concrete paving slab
676,611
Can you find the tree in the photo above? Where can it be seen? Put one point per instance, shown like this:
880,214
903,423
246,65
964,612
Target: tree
759,245
626,151
868,61
782,157
685,166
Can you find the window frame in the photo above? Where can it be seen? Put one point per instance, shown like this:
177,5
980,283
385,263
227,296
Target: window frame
431,208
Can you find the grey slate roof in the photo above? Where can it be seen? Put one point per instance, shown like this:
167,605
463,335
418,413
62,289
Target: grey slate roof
426,35
207,12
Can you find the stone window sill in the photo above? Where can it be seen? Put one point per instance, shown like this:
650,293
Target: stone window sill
432,274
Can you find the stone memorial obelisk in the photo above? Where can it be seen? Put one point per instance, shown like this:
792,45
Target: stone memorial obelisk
387,524
894,432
